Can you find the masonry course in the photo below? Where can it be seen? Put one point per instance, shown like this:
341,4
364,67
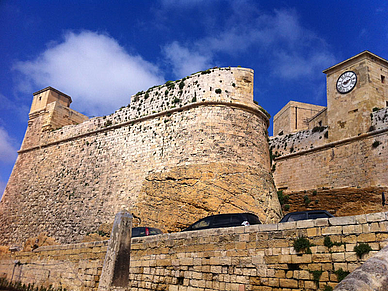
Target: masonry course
259,257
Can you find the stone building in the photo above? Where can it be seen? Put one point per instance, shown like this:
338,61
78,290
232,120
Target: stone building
340,151
178,152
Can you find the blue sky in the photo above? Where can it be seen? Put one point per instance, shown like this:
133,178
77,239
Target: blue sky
102,52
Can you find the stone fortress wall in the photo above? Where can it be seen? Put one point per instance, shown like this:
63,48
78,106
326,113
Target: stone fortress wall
258,257
343,155
176,153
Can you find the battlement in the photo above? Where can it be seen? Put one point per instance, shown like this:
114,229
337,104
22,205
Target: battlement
228,86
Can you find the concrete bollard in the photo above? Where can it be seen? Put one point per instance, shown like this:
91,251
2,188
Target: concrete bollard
115,272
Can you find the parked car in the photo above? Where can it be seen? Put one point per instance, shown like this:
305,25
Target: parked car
308,214
224,220
145,231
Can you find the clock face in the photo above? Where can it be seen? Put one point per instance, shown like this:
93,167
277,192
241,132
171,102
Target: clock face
346,82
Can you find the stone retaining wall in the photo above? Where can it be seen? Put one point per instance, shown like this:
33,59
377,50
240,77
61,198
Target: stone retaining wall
260,257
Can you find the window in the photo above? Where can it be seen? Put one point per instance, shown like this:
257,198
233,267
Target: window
318,215
382,79
201,224
221,220
297,216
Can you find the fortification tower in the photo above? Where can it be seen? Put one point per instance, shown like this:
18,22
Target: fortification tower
50,110
178,152
354,87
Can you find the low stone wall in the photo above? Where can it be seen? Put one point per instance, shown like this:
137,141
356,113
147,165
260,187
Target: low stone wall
74,267
259,257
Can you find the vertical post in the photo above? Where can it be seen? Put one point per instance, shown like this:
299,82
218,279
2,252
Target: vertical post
115,272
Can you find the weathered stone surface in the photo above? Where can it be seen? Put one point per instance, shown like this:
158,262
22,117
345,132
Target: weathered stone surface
70,181
250,256
39,241
179,197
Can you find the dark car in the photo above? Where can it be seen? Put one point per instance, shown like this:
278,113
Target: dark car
308,214
224,220
145,231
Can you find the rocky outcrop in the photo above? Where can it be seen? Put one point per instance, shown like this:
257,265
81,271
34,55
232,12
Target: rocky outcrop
182,195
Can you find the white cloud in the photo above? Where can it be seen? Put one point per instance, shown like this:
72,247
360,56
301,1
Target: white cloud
92,68
279,37
185,62
8,151
293,65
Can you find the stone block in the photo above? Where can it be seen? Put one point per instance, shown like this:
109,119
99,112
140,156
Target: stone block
320,258
285,259
332,230
303,259
287,225
311,232
351,257
366,237
305,223
338,257
322,222
345,220
360,219
274,282
288,283
343,266
267,227
302,275
310,285
372,217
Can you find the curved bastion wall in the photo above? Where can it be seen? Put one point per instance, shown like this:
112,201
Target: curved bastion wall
170,163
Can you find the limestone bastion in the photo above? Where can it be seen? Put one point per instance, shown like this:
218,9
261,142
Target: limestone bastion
178,152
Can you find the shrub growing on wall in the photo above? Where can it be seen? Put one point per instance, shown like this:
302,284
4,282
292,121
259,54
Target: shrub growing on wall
361,249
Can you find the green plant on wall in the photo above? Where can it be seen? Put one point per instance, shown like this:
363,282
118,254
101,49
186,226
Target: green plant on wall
316,276
306,200
341,274
328,243
302,244
283,199
361,249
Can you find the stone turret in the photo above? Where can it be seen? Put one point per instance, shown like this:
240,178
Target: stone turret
50,110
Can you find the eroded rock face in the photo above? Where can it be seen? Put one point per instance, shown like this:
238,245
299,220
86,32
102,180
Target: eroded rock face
341,202
172,200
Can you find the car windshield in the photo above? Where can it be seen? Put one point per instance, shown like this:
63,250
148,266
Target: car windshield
297,216
318,215
226,220
154,231
138,231
202,223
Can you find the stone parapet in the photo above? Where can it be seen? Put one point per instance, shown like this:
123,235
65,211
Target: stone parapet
258,257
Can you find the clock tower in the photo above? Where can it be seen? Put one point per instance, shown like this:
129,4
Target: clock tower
354,88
